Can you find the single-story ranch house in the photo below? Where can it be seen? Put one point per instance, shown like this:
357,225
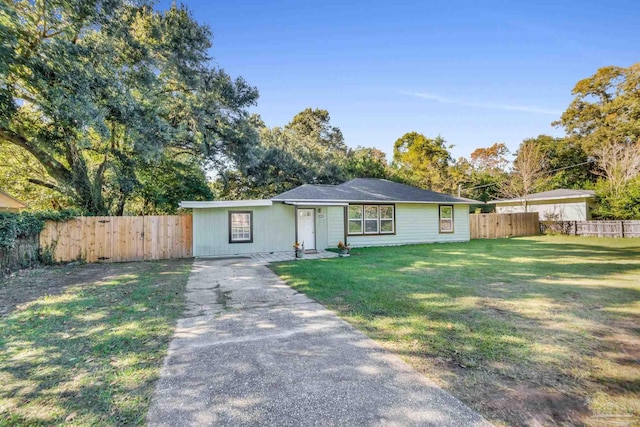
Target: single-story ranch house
554,205
361,212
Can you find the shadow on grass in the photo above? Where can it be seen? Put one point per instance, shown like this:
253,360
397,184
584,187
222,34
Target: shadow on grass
550,314
90,353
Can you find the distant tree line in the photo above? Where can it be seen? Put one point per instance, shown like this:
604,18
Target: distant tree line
114,108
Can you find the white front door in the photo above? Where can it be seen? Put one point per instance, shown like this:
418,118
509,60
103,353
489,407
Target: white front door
307,228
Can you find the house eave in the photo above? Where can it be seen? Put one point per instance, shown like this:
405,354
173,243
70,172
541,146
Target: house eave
224,204
347,202
521,199
312,203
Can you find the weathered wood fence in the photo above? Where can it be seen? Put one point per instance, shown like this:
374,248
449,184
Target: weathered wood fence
494,226
24,253
599,228
118,239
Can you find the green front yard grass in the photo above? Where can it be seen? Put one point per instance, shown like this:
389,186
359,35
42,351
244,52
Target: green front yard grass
528,331
83,345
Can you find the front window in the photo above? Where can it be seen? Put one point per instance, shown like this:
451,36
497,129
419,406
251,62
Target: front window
446,219
371,219
355,219
241,227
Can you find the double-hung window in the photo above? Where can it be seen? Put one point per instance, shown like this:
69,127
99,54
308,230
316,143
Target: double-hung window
355,219
371,224
240,227
371,219
446,219
387,220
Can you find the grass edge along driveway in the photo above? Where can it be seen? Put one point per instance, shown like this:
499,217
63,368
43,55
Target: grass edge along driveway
525,330
88,351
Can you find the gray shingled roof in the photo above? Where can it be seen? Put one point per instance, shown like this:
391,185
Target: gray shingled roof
562,193
367,190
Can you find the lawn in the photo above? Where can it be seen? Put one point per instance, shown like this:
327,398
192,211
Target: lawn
83,344
528,331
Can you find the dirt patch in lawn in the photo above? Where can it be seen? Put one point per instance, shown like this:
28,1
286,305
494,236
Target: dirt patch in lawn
502,398
27,285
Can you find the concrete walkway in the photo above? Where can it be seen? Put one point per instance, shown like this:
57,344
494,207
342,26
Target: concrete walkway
252,351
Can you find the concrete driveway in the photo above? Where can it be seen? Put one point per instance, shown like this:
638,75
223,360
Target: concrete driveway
252,351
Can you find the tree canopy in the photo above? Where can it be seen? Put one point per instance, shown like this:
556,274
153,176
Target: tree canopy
367,162
604,118
606,108
97,91
308,150
422,161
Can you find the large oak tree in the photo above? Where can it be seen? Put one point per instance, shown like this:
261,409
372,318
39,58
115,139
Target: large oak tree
98,90
604,118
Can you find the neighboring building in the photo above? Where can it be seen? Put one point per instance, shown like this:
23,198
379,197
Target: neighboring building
10,204
361,212
554,205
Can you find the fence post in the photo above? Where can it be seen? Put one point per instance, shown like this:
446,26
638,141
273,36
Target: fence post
622,229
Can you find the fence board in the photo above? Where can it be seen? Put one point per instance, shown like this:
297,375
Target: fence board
119,239
595,228
493,226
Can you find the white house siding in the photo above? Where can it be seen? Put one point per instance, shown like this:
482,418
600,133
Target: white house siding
418,223
556,210
335,225
273,230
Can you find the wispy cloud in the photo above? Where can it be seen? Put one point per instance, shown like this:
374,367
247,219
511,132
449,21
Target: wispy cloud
507,107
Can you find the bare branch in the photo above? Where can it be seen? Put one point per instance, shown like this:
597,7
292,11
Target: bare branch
619,163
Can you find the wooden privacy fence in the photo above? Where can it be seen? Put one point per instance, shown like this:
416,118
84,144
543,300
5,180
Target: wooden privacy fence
599,228
494,226
118,238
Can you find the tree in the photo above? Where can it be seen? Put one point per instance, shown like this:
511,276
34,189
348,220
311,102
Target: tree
491,160
18,172
619,189
308,150
480,177
315,125
528,167
367,162
422,161
606,108
96,90
165,183
604,118
565,164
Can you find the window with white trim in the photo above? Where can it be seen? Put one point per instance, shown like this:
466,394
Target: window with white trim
370,219
355,219
446,218
241,227
387,221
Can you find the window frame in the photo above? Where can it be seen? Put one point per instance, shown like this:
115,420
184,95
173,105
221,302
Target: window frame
378,220
440,219
231,240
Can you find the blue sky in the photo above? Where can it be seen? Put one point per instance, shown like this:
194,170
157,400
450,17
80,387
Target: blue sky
473,72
